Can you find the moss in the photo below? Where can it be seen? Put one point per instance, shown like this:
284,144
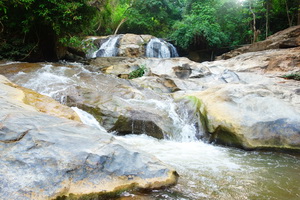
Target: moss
226,137
95,111
199,106
100,195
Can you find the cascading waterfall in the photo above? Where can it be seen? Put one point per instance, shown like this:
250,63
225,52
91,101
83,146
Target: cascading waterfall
160,49
156,47
108,48
206,171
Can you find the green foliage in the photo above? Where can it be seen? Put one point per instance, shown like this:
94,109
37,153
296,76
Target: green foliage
15,48
152,17
199,26
37,22
78,43
294,76
138,72
62,16
27,26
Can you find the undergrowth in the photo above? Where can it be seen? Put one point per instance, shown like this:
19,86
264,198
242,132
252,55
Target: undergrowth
138,72
294,76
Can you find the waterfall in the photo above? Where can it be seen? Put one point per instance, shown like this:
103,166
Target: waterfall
159,48
155,48
108,48
173,50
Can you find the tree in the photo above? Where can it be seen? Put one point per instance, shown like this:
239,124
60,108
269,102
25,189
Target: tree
34,27
199,26
152,16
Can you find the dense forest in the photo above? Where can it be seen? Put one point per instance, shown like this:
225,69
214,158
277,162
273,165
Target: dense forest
37,29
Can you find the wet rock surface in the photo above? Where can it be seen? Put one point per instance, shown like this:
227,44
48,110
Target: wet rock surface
43,157
249,116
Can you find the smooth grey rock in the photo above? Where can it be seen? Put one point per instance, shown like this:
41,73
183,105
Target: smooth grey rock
42,156
249,116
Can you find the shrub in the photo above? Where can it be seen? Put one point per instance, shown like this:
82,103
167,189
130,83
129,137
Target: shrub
138,72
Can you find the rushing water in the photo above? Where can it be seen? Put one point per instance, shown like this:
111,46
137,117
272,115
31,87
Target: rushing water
206,171
108,48
213,172
160,49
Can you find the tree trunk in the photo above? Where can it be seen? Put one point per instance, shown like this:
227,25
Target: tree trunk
298,21
120,24
255,35
267,17
287,13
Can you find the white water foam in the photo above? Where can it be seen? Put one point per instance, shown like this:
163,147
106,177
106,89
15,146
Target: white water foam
108,48
88,119
183,131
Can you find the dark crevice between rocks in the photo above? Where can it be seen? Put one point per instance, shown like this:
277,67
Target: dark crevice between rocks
226,137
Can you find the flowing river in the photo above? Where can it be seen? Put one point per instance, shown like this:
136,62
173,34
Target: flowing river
207,171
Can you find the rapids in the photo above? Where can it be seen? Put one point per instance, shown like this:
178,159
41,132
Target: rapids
207,171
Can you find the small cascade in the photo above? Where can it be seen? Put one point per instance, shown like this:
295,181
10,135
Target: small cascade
88,119
173,50
159,48
108,48
182,125
60,82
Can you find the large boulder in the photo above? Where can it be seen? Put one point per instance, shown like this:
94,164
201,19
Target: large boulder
261,110
45,157
132,45
39,102
249,116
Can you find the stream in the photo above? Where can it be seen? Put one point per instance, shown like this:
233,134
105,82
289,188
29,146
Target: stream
207,171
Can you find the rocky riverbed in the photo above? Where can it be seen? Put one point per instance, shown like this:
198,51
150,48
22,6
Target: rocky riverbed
47,152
